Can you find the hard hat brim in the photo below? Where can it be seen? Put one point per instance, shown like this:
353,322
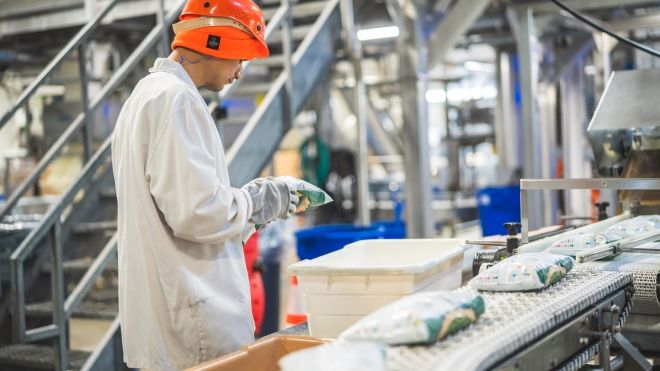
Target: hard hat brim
222,42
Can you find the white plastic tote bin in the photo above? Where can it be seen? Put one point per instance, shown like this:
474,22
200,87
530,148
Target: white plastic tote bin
341,287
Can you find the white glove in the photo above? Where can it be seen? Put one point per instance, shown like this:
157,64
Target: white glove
272,198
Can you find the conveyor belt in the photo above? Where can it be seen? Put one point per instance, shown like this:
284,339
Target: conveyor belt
645,269
513,322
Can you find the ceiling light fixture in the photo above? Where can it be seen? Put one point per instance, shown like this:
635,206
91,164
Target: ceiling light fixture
378,33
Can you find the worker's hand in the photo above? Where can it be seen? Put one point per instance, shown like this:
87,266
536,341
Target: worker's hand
272,198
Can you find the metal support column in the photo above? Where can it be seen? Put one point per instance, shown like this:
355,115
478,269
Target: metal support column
57,292
90,8
574,121
84,98
360,98
5,178
413,67
529,64
164,43
507,131
287,50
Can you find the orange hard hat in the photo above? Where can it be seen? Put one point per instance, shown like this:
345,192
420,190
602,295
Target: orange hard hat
228,29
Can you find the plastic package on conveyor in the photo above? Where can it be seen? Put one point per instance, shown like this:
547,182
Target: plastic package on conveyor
524,272
574,243
422,318
637,225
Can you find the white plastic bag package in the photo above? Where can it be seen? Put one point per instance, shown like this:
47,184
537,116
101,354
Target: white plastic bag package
421,318
310,195
524,272
336,356
636,225
572,244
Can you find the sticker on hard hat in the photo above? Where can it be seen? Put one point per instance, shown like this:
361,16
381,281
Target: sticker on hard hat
213,42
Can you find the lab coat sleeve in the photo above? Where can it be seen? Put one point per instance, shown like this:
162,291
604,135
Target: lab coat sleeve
183,180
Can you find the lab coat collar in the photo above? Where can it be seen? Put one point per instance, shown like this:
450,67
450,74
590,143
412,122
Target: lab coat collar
169,66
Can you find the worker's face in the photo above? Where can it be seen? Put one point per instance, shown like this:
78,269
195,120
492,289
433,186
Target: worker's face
221,72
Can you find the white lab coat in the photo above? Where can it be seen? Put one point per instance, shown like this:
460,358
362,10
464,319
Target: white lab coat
184,295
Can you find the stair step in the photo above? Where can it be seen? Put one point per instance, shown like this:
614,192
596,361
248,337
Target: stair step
109,192
297,33
303,10
93,227
272,61
79,266
87,310
110,294
38,356
252,89
235,120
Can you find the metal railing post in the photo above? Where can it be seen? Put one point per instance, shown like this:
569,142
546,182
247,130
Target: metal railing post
57,292
6,185
287,50
84,97
354,47
17,299
163,45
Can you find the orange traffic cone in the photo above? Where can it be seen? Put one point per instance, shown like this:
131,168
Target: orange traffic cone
295,312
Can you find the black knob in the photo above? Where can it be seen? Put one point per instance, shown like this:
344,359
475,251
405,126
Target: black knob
602,207
512,228
258,266
512,241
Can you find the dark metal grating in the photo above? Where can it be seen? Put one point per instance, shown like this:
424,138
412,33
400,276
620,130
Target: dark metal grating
38,356
88,310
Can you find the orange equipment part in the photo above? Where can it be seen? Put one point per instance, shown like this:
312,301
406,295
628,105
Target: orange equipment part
295,313
257,293
227,29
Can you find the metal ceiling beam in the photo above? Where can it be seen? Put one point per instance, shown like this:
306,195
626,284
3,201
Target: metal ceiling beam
548,7
310,9
75,17
635,23
12,8
454,25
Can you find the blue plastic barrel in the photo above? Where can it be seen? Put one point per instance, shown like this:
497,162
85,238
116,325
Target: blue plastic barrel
498,205
320,240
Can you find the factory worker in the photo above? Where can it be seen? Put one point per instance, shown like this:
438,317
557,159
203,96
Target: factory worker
184,296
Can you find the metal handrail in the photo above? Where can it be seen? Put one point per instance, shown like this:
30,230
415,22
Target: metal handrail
51,222
116,79
50,219
280,81
93,272
77,40
271,27
105,341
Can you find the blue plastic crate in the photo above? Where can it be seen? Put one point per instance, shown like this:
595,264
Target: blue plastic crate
394,229
498,205
317,241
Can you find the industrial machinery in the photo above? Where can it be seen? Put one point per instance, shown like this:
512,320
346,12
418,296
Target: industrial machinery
607,311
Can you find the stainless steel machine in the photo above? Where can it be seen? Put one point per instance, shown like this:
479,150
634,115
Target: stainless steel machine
625,137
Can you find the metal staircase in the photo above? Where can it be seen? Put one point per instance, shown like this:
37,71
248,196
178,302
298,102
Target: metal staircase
53,271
